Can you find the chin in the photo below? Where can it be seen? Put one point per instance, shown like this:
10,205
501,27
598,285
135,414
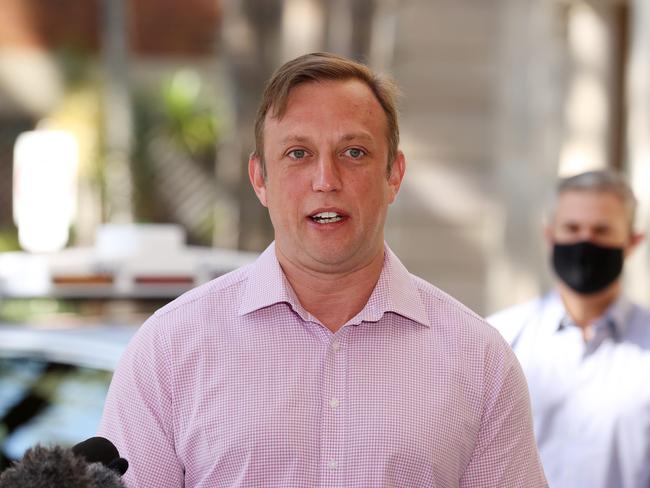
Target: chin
339,256
330,258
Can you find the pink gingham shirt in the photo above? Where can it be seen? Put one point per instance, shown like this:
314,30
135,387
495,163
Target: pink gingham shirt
235,384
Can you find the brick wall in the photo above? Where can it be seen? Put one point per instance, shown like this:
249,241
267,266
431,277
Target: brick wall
174,27
156,27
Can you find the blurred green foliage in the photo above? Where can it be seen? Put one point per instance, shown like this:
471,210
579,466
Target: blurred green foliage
9,239
183,114
34,309
187,117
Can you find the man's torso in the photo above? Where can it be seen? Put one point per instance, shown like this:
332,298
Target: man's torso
590,400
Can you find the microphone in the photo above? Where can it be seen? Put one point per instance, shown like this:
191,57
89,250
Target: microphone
94,463
101,450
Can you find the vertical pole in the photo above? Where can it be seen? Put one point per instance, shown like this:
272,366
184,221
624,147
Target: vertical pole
117,110
638,142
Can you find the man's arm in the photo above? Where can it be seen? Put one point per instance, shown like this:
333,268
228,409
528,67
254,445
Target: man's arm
138,412
505,454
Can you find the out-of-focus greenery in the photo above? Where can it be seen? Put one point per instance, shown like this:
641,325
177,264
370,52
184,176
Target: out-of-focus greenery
34,309
187,118
182,115
9,239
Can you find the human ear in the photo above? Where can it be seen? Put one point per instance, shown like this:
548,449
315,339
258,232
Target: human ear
256,176
547,230
396,175
635,240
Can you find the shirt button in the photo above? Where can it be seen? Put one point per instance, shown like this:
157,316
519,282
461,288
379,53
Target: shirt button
336,346
332,464
334,402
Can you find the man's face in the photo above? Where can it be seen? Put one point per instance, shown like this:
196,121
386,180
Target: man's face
327,188
597,217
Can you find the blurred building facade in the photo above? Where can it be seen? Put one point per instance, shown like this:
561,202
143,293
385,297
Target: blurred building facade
499,98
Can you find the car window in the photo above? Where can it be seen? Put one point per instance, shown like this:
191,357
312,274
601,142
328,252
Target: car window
47,402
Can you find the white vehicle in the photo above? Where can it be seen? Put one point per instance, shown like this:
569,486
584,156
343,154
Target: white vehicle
53,383
127,261
54,378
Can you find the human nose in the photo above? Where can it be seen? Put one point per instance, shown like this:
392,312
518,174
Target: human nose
327,177
586,234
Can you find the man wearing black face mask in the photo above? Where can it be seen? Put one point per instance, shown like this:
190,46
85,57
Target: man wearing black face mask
585,348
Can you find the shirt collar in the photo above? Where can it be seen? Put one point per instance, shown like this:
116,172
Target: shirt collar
615,317
267,285
395,291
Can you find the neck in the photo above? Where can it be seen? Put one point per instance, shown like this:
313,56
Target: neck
584,310
333,298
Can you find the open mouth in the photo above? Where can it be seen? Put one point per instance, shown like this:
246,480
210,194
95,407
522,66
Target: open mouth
326,217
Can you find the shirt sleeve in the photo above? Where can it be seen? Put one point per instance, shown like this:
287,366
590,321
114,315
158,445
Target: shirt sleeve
505,454
138,415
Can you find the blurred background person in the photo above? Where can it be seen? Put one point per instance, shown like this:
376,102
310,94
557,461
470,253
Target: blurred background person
585,347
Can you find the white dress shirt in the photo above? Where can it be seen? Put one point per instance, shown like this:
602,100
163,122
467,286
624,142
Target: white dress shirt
590,399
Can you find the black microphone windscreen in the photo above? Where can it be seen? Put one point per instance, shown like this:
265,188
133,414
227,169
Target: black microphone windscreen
54,467
44,467
96,450
101,450
119,466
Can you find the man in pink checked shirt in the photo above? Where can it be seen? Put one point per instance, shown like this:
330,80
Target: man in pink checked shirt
325,363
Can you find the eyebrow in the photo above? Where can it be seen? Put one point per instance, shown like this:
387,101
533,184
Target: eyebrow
347,137
294,138
357,135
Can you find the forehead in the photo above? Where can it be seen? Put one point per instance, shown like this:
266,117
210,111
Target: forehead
586,206
343,104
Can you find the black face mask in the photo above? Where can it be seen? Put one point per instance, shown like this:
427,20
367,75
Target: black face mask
586,267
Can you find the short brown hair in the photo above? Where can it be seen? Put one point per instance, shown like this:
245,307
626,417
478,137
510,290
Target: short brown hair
316,67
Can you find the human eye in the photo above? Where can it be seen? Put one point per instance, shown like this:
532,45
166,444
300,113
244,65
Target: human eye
297,154
355,153
602,230
570,228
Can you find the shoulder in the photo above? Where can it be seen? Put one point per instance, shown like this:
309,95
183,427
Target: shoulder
641,312
191,314
516,312
476,354
637,325
510,321
216,289
452,320
440,304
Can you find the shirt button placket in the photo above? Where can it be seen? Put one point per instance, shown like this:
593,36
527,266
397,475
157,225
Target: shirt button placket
333,420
